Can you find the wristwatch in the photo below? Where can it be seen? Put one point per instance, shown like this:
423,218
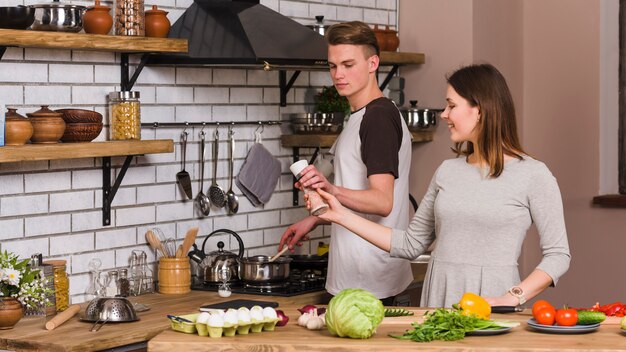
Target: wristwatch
517,291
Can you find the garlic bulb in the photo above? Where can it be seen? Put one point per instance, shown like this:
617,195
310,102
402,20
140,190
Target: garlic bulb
304,318
315,322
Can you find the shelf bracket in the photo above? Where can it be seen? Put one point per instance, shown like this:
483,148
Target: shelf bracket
126,82
2,50
393,71
108,191
286,86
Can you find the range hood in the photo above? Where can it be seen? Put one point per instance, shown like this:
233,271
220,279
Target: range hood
243,33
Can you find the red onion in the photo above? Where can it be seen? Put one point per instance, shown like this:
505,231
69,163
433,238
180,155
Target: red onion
309,308
283,318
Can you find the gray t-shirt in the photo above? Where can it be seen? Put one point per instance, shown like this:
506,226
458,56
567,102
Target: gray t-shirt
480,224
375,140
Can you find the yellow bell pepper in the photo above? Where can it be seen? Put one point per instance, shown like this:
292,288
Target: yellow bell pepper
474,304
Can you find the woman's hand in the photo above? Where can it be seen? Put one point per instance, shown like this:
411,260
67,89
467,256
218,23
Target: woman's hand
335,213
506,300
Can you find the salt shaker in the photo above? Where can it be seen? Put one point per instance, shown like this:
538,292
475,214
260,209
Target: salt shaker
318,205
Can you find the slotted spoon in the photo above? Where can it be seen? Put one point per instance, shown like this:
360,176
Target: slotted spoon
216,193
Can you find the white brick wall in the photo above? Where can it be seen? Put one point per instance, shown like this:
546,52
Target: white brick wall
53,207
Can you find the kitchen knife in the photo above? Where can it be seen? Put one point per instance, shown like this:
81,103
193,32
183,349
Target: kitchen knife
506,309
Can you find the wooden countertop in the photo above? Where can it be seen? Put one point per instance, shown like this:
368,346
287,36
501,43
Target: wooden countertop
296,338
30,335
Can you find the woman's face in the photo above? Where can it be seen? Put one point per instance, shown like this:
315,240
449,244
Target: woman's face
461,117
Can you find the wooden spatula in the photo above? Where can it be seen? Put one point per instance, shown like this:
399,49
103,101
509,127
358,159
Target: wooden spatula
190,239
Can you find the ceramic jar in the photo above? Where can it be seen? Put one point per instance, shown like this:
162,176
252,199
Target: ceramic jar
381,38
392,39
11,311
97,19
48,125
157,24
18,128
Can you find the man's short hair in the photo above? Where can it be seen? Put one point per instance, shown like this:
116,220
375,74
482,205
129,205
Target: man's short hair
355,33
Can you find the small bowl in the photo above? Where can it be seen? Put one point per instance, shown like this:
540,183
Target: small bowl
80,116
16,17
81,132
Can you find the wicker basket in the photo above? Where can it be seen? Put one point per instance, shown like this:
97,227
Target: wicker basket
81,132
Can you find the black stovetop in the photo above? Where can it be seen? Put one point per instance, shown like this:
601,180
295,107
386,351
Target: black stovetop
294,286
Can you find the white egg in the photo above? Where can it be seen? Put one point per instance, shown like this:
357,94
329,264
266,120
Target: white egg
269,313
256,308
243,316
256,315
231,317
203,318
216,321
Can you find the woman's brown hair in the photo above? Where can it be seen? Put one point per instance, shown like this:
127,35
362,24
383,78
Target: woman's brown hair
355,33
483,86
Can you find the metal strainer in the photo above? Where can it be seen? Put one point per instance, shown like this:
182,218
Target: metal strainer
115,309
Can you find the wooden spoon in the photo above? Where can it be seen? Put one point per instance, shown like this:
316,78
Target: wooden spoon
155,243
282,251
190,239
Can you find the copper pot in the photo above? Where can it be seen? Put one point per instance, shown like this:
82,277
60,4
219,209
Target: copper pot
18,128
157,24
48,125
97,19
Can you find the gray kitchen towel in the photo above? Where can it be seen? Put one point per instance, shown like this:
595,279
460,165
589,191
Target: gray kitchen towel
259,175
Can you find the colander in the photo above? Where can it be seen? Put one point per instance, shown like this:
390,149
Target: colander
111,309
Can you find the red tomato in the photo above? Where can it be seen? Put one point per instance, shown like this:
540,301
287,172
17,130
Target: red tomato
545,316
566,317
541,304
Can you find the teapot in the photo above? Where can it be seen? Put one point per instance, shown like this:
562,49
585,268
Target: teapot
213,262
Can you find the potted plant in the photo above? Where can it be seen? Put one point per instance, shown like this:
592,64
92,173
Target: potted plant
20,287
328,101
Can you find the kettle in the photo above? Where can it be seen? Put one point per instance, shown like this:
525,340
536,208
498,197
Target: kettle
213,262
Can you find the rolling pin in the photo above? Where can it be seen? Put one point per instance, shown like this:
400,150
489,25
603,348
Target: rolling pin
62,317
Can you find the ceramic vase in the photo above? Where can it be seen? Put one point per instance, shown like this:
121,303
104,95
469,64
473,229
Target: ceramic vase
392,39
97,19
18,128
48,125
11,311
381,38
157,24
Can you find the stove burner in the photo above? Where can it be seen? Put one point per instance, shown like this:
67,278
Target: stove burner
268,286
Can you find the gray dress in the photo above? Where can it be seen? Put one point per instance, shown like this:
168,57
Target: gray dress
480,224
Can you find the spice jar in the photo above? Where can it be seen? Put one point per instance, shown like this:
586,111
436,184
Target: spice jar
123,284
318,205
124,115
61,284
130,18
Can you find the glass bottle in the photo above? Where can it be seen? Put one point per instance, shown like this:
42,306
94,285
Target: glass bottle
124,115
148,283
94,290
123,284
135,275
130,18
61,284
111,288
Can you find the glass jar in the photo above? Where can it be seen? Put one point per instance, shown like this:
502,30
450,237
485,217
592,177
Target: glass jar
123,284
61,284
124,115
111,289
130,18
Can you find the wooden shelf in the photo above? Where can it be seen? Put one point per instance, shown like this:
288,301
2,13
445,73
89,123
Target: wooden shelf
611,200
327,140
32,152
79,41
400,58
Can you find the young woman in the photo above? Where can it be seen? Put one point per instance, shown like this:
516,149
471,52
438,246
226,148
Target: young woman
478,206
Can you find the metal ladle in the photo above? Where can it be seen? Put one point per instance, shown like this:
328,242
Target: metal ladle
231,198
201,199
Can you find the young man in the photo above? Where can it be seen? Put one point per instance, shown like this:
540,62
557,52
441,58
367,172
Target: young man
372,157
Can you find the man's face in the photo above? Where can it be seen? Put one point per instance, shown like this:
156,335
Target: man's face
349,68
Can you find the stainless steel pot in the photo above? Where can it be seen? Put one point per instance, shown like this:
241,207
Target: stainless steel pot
258,270
319,26
420,119
58,17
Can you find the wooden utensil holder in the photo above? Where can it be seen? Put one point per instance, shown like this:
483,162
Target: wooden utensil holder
174,276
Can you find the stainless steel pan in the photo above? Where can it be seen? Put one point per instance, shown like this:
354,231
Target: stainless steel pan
58,17
258,270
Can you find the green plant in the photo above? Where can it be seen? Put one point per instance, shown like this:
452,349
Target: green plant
328,100
18,280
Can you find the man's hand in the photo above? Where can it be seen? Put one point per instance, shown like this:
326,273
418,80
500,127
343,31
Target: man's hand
296,233
314,179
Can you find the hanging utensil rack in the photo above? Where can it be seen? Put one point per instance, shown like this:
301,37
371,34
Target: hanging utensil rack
211,123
